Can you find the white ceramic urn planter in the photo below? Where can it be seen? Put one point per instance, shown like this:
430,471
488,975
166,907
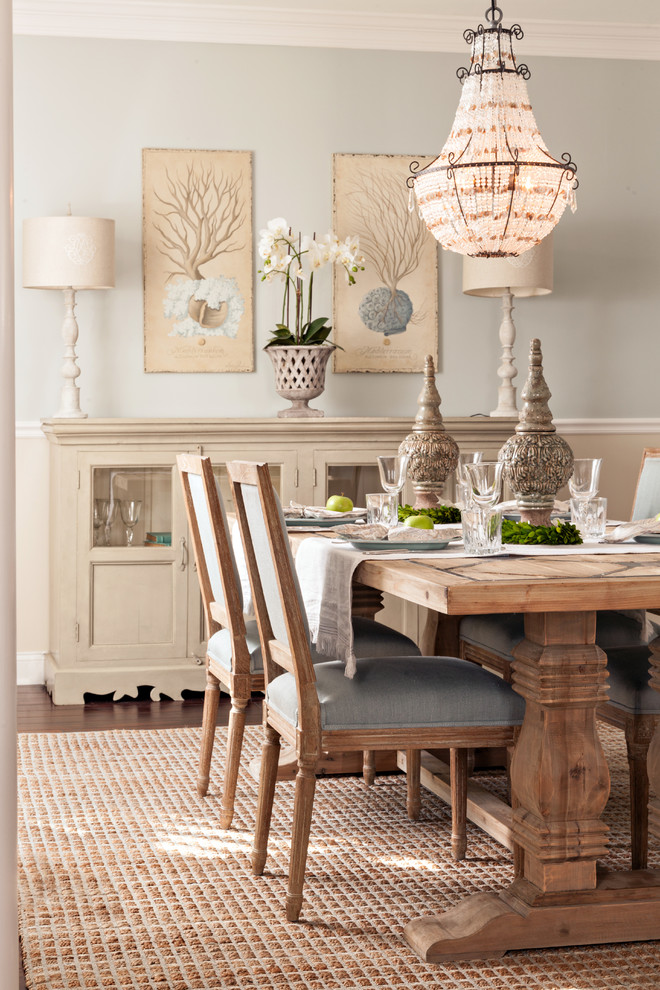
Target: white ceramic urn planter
300,376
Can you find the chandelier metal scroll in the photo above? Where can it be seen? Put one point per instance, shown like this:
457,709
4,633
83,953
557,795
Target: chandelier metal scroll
494,190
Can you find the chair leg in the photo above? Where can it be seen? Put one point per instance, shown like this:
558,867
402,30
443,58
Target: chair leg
413,785
270,753
235,732
639,732
209,715
368,766
458,764
302,819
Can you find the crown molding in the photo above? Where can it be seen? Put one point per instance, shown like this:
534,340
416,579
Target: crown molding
169,20
584,427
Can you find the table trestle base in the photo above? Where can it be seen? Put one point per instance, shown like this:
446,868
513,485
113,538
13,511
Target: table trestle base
624,907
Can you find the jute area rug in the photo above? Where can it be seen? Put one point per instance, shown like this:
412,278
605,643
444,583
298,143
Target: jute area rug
126,880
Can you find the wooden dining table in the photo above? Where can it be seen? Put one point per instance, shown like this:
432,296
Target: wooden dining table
559,776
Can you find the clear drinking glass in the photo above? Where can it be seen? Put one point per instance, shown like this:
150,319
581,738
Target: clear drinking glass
482,530
485,480
106,509
583,483
382,508
130,513
590,517
392,470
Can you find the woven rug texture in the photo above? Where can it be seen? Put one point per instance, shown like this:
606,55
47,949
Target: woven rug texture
126,879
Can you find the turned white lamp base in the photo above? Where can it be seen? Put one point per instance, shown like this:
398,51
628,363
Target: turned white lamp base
70,398
507,371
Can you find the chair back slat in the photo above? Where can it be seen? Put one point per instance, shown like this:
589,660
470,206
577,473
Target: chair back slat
647,495
216,566
281,619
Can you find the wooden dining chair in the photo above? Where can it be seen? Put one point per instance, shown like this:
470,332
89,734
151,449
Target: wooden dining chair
233,653
633,706
392,703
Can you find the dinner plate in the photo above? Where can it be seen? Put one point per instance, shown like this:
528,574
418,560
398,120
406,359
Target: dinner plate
647,538
319,523
395,545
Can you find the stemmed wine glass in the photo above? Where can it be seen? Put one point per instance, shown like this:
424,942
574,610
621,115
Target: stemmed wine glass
485,481
583,483
392,470
463,490
130,513
98,522
105,510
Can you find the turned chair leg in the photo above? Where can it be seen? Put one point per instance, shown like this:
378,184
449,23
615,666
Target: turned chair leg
235,733
270,754
458,764
639,732
368,766
413,785
209,715
303,804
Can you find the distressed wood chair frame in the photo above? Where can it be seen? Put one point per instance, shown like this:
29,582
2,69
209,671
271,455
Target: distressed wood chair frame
238,682
309,738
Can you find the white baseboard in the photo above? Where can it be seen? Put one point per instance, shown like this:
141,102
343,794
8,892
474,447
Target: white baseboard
30,668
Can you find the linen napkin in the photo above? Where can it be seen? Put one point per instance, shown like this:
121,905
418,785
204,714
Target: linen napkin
325,575
294,510
637,527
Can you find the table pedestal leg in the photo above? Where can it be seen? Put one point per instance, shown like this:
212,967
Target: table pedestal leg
560,783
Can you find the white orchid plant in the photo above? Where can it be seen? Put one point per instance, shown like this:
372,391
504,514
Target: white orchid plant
294,259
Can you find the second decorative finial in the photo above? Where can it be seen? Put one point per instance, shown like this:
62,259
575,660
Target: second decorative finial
537,461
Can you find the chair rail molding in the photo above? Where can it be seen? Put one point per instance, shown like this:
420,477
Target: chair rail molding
248,24
31,429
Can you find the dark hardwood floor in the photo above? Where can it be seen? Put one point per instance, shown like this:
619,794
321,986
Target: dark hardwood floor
35,712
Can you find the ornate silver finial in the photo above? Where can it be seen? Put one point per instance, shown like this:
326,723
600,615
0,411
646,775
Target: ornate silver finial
537,461
433,452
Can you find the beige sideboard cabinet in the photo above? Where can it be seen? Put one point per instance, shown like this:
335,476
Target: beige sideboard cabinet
128,615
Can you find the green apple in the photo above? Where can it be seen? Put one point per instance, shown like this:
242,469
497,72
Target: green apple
419,522
339,503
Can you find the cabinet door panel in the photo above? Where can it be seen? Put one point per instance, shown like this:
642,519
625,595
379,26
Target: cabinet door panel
131,603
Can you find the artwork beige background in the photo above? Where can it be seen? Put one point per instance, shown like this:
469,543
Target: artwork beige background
388,321
197,243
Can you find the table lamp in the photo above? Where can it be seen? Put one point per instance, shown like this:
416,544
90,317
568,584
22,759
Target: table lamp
69,253
528,274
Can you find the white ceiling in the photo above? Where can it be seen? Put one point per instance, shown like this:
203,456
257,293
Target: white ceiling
582,28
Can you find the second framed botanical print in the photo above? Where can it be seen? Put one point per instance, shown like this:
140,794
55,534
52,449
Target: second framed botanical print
197,244
387,321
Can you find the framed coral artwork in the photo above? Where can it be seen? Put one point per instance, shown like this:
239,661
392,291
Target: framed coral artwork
388,320
197,257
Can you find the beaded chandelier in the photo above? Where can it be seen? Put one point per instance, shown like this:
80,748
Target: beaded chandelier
494,190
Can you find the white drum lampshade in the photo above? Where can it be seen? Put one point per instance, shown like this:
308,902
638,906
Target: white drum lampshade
528,274
69,253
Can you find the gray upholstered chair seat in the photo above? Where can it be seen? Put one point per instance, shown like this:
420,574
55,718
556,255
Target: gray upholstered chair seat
629,686
371,639
388,693
501,633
